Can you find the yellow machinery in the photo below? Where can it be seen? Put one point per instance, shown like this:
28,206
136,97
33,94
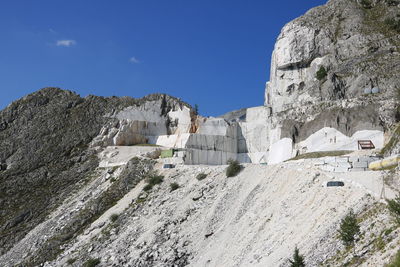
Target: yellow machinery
385,163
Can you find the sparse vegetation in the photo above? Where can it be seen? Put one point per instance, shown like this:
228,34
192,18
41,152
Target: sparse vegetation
135,171
393,141
140,200
392,2
349,228
298,260
71,261
114,217
380,243
91,262
174,186
366,3
147,187
321,73
106,231
321,154
388,231
396,261
154,179
394,208
397,97
233,169
394,24
201,176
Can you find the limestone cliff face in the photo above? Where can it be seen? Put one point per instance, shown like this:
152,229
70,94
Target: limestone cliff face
354,41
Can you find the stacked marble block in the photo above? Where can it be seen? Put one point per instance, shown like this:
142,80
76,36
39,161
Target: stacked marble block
346,163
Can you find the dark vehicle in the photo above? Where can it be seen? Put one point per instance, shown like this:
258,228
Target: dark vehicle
335,183
169,166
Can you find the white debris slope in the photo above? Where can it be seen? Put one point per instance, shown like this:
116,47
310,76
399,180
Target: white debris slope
254,219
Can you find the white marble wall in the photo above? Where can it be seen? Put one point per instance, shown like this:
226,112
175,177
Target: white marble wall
253,134
207,157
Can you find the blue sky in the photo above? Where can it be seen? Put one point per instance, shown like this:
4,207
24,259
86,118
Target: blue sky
214,53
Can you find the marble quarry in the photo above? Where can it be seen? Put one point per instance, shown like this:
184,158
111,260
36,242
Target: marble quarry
253,138
301,114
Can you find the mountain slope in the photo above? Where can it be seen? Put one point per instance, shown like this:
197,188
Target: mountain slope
256,218
44,143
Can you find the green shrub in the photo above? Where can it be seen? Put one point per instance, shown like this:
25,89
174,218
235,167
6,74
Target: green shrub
91,262
71,261
201,176
366,3
380,243
233,169
393,24
152,180
140,200
396,261
174,186
349,228
394,208
321,73
155,179
298,260
392,2
113,217
388,231
147,187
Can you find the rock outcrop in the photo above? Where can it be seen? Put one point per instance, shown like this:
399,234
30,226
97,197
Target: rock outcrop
355,44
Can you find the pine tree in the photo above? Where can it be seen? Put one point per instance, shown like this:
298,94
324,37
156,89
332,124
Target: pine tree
349,228
321,73
298,260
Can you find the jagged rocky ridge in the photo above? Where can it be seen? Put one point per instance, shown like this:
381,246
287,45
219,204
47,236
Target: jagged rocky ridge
44,148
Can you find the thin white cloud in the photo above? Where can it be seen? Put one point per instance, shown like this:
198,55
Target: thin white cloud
134,60
66,43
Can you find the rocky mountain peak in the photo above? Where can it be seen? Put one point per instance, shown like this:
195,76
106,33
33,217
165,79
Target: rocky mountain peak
335,52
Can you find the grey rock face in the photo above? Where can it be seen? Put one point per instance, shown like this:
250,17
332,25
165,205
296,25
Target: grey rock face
355,44
44,151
